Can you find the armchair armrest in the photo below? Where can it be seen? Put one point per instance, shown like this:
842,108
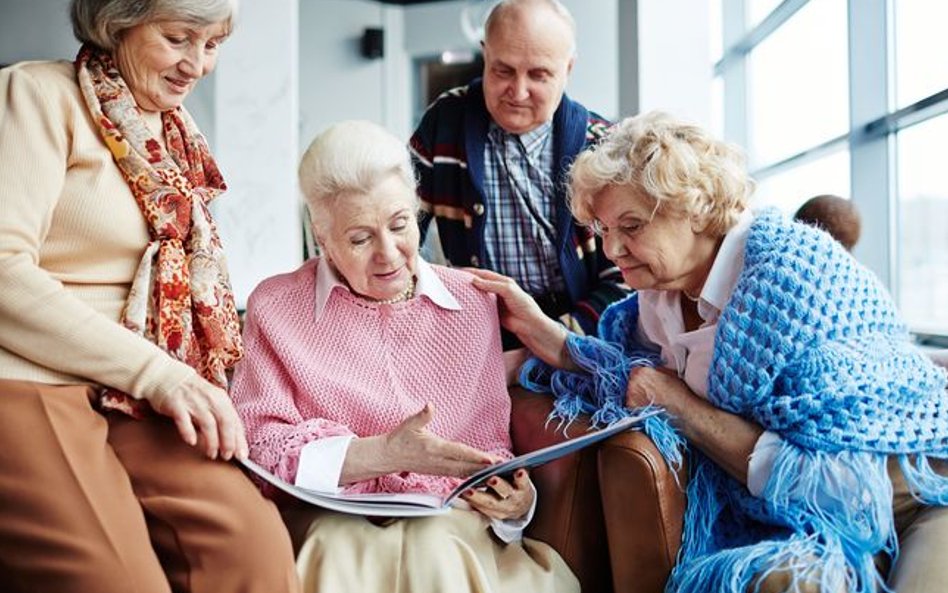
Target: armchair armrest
569,513
644,508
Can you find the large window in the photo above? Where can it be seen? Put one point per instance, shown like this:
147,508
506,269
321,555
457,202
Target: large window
797,86
787,190
814,120
920,48
923,225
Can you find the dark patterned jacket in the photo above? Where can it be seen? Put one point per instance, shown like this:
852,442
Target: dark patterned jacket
448,153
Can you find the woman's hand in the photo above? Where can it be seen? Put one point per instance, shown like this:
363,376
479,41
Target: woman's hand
411,447
520,314
728,439
659,386
502,499
204,414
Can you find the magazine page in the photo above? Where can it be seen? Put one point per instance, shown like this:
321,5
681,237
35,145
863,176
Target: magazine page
378,505
417,504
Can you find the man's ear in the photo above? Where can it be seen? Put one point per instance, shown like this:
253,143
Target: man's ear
569,66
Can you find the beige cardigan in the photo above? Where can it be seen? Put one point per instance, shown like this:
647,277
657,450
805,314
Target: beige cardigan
71,237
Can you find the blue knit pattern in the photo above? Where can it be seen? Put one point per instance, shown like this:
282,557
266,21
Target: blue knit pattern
809,346
825,360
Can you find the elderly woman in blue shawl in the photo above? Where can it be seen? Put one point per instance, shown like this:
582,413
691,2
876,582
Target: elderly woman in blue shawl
815,432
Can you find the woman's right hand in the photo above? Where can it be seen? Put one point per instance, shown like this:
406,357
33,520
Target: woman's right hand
205,415
413,448
518,311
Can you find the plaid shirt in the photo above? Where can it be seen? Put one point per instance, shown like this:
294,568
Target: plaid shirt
450,155
519,235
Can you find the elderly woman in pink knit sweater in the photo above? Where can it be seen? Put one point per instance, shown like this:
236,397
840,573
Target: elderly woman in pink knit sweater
370,370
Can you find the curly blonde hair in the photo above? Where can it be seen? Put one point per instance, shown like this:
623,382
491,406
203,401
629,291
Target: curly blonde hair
679,165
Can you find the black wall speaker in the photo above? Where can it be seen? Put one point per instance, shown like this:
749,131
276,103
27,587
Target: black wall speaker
373,43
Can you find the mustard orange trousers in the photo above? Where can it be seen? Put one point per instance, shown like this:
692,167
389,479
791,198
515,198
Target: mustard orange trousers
102,504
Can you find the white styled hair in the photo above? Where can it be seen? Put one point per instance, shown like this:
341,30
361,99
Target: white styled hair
350,158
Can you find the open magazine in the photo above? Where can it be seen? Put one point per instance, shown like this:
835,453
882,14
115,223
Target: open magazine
420,504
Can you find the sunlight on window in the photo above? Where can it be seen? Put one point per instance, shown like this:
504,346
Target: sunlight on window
789,189
717,107
798,83
757,10
923,225
920,49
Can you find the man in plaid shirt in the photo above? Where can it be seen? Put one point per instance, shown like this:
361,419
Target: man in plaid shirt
492,158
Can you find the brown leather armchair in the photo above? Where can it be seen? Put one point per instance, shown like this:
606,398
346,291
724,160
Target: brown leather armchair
613,512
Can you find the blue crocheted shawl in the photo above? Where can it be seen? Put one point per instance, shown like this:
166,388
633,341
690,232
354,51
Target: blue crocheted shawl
809,346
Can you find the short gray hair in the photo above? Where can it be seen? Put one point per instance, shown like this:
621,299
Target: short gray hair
677,164
102,22
348,159
503,7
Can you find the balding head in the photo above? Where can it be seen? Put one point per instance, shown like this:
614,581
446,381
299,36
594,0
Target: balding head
528,55
516,13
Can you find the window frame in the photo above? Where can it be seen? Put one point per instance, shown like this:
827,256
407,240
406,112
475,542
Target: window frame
873,125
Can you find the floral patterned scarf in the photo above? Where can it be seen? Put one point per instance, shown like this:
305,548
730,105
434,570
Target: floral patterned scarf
180,297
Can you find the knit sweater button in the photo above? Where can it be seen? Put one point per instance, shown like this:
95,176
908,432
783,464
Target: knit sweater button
479,209
475,261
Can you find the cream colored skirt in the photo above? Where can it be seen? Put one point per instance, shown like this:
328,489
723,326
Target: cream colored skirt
456,553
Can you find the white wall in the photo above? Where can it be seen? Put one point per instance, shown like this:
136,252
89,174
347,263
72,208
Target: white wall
256,112
336,82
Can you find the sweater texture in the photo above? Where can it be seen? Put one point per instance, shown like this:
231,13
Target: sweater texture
71,238
362,368
809,346
448,152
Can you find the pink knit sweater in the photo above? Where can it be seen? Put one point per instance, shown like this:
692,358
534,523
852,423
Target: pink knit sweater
362,368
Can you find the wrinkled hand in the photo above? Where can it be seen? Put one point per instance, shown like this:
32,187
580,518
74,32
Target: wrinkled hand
503,499
659,386
204,416
412,447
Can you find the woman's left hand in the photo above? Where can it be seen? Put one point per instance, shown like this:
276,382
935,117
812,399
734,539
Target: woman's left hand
502,499
659,386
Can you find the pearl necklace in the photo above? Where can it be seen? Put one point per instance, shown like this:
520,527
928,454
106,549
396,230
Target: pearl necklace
403,296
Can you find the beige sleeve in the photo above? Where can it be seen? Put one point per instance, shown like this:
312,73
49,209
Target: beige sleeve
40,320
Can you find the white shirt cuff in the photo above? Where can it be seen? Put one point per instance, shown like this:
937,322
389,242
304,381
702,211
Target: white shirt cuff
511,530
321,462
761,462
